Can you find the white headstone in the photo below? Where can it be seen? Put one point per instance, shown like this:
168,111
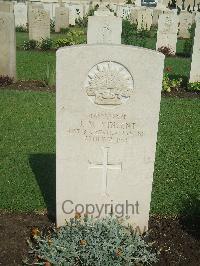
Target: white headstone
113,7
75,12
103,11
124,11
86,8
55,5
39,24
195,65
107,120
134,14
104,28
156,14
7,45
144,18
191,3
20,11
170,11
185,23
162,3
62,18
167,31
49,7
138,2
32,5
6,6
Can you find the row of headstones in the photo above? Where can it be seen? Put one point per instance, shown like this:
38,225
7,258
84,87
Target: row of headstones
147,17
39,19
144,17
180,4
79,10
21,10
169,24
188,5
103,27
75,11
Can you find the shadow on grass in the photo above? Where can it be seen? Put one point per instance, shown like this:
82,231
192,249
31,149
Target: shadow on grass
183,54
190,216
44,168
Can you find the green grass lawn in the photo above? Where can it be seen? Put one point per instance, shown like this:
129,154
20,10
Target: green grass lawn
180,66
33,64
27,121
27,130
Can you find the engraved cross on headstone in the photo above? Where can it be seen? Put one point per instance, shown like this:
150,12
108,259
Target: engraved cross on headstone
105,166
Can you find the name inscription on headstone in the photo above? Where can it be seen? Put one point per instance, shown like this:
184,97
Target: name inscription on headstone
105,127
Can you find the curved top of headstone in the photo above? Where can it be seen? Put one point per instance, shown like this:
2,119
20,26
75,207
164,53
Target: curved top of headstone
111,47
110,74
103,11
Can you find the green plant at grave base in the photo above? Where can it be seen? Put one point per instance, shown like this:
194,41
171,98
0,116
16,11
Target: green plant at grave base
61,43
72,38
187,49
49,78
64,30
30,44
46,44
52,25
169,84
194,86
132,36
87,241
5,80
21,29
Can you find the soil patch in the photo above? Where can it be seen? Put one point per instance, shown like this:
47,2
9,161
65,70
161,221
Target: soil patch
28,85
182,93
15,229
178,239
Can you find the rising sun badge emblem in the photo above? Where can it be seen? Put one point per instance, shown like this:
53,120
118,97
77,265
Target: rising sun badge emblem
109,84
